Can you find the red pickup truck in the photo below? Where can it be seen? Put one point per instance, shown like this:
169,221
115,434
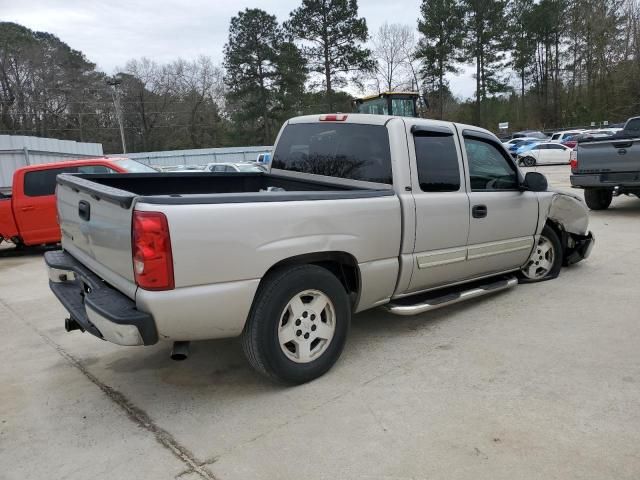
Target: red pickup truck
28,215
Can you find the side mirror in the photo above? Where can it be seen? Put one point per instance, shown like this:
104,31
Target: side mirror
535,182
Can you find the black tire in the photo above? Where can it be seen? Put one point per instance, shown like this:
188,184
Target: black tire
260,336
598,198
529,162
549,234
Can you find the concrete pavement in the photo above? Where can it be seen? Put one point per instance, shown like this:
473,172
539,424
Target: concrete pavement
542,381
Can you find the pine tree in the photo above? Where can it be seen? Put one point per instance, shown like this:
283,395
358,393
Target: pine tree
485,29
331,33
439,47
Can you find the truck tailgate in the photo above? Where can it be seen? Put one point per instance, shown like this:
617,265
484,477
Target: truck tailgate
618,155
96,229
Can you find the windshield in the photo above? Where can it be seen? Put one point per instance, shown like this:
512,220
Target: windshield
345,150
132,166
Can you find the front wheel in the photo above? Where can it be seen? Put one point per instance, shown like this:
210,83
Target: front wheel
598,198
298,324
528,162
546,261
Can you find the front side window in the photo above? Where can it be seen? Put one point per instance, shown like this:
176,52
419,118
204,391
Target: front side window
95,169
489,169
437,163
402,107
343,150
378,106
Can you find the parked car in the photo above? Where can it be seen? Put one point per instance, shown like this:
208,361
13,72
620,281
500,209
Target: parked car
608,166
28,215
545,153
233,167
524,147
558,137
264,158
531,134
517,142
358,211
572,141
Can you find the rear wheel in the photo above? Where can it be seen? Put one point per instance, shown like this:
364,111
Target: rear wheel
546,261
298,324
598,198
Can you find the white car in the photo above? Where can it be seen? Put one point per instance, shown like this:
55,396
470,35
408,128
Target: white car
545,153
233,167
558,137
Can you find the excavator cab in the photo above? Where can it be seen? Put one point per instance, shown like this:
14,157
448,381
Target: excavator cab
403,104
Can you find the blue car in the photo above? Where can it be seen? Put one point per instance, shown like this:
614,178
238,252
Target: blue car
526,146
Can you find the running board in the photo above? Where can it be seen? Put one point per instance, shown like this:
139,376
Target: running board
405,307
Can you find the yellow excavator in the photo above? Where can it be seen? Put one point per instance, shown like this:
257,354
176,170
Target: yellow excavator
404,104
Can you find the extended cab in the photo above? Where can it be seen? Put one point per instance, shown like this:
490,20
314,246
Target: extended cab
608,167
28,215
359,211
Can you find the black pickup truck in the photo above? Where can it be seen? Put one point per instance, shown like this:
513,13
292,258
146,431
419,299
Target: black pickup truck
605,168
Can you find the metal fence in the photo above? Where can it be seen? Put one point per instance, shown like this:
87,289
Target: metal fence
19,151
200,156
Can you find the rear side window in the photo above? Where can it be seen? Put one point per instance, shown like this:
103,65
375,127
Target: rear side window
347,150
437,163
43,182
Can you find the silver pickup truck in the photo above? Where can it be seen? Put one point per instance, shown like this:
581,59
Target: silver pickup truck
605,168
358,211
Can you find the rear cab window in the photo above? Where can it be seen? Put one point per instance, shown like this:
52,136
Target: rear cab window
344,150
39,183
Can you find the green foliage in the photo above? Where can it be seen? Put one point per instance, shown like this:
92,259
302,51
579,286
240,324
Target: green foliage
484,45
441,29
264,76
331,33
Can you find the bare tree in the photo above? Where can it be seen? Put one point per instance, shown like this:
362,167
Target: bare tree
393,46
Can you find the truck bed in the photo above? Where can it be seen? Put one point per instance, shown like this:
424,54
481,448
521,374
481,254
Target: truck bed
206,187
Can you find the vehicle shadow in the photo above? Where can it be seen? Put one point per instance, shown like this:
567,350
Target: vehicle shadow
8,250
217,369
621,207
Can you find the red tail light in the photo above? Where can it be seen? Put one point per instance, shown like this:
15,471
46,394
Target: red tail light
151,249
573,160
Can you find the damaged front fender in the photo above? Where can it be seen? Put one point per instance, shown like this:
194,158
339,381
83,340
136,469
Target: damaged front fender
569,212
570,215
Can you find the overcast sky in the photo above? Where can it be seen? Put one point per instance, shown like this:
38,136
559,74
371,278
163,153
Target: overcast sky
110,33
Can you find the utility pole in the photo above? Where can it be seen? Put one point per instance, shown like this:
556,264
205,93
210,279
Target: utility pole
115,82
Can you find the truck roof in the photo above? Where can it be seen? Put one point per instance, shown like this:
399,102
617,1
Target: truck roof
69,163
370,119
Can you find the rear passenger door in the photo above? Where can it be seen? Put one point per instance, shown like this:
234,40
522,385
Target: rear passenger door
441,207
503,219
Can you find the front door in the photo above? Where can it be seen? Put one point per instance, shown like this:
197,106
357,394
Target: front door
503,219
441,207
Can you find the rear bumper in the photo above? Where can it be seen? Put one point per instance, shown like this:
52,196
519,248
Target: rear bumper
606,180
95,306
583,246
